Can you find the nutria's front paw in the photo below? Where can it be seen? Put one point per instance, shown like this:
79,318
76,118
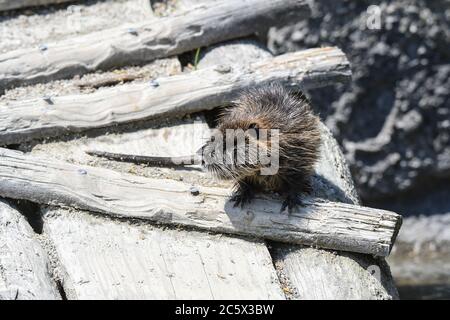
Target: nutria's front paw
291,201
242,197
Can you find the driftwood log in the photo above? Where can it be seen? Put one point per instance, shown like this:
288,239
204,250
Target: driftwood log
134,44
108,259
325,224
171,96
317,274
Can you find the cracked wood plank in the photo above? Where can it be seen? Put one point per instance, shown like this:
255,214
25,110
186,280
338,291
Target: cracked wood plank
146,41
321,223
324,275
109,259
24,266
169,97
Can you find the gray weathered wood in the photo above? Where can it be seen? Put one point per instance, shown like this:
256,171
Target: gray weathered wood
169,96
324,275
24,266
325,224
108,259
143,42
333,284
18,4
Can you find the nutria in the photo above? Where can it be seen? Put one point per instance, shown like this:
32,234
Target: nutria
268,122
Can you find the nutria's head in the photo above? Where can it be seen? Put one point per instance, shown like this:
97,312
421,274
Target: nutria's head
263,126
238,149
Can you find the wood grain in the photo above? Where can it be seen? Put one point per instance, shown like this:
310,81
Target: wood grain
24,266
321,223
108,259
170,96
143,42
324,275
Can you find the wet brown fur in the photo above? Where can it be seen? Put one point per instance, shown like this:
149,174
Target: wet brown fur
266,107
274,107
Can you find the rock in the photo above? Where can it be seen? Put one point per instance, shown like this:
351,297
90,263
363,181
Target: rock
392,121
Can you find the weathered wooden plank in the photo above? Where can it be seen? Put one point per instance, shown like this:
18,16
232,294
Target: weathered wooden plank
146,41
169,96
321,223
323,275
18,4
84,85
24,266
319,262
332,179
108,259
